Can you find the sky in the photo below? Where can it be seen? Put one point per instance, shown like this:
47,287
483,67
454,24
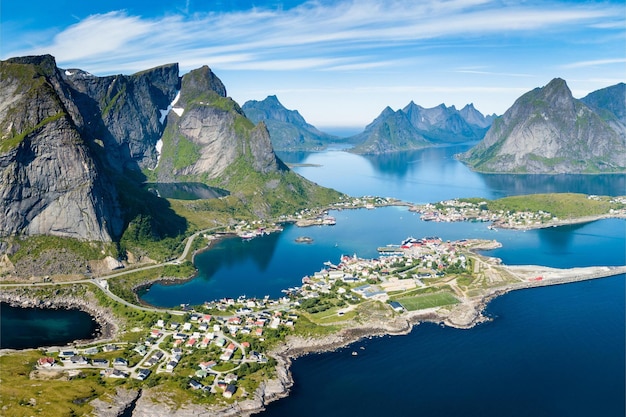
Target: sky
339,62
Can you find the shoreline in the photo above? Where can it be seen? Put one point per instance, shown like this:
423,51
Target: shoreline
465,315
561,222
295,347
107,323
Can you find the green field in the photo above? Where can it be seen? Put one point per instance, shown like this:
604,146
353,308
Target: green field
427,301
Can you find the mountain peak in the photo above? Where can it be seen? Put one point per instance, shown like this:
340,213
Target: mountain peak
548,131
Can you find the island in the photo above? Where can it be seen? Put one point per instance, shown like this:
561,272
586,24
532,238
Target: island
232,356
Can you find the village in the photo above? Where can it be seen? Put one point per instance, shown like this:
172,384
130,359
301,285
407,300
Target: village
212,346
459,210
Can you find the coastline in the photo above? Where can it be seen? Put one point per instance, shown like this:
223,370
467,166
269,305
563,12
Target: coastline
560,222
465,315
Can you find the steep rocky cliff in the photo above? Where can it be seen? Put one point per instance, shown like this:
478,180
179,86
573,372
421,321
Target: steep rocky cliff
288,129
123,113
208,132
547,130
49,183
76,149
415,127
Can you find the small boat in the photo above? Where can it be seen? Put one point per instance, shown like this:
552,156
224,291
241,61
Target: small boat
354,353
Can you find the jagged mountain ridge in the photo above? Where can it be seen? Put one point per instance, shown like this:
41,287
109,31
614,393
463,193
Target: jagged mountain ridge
289,131
415,127
76,148
547,130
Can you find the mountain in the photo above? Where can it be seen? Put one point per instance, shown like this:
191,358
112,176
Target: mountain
76,149
609,102
416,127
392,131
288,129
548,131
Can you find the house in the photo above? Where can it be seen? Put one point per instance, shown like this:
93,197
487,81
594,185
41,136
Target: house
205,342
174,325
230,378
102,363
207,365
396,306
226,355
120,362
45,361
206,318
114,373
160,323
231,346
191,342
91,351
156,333
229,391
195,384
79,360
142,374
187,326
109,348
258,331
171,365
67,354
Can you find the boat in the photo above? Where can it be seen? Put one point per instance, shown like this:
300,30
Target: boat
354,353
248,235
304,239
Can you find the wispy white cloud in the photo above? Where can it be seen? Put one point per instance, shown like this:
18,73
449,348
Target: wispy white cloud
344,35
594,63
491,73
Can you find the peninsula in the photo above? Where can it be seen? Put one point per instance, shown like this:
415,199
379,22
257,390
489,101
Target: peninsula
232,356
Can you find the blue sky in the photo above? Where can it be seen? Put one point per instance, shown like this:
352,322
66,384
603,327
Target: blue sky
338,62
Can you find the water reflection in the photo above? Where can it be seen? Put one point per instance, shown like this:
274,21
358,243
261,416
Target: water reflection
510,184
185,190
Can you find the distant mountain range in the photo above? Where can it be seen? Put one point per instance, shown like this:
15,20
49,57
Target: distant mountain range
415,127
548,131
288,129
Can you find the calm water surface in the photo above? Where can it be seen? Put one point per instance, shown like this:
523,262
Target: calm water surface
24,328
267,265
553,351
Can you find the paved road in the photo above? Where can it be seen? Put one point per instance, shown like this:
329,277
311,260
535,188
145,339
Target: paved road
100,282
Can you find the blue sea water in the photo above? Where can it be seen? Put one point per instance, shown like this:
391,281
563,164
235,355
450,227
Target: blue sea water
23,328
266,265
551,351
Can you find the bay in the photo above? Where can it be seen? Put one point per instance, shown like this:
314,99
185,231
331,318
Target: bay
268,264
23,328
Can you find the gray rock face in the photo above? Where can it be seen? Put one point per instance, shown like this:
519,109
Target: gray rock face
211,133
49,184
74,149
549,131
124,112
